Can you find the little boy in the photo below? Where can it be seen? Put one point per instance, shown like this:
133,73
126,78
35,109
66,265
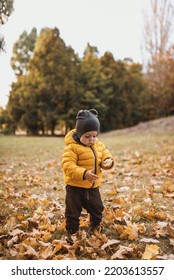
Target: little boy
83,160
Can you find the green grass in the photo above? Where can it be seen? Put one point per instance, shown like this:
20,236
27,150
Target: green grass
18,149
31,149
140,184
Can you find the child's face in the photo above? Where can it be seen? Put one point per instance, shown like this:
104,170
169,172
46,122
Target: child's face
89,138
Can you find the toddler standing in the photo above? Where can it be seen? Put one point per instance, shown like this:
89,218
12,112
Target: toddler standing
83,159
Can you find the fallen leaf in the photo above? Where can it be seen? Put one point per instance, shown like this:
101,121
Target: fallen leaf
10,224
160,215
102,237
12,241
16,232
149,240
46,237
110,243
121,252
44,244
170,230
131,231
47,253
166,257
172,241
150,253
30,251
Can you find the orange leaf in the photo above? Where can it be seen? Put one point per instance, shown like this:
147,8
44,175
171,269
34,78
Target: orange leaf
20,217
160,215
102,237
132,231
46,237
31,202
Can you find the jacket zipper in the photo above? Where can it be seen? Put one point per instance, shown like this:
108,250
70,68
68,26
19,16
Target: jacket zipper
95,164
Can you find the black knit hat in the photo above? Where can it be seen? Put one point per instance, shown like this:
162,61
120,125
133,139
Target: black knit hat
87,120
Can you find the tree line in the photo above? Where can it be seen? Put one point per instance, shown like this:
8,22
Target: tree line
53,83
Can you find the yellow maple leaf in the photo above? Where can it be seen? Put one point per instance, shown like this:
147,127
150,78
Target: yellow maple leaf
39,210
150,253
46,237
31,202
20,217
48,227
131,231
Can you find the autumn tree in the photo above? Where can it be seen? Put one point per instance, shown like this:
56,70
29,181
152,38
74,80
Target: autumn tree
114,73
52,72
158,30
168,65
22,106
23,51
53,83
16,107
6,8
122,92
46,86
92,82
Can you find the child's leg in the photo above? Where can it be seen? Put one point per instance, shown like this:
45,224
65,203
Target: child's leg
73,209
95,207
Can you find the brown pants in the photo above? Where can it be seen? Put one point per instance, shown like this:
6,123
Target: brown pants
78,198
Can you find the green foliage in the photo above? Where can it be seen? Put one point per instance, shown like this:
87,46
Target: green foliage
53,83
22,51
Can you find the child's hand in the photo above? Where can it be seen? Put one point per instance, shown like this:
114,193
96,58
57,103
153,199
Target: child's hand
90,176
107,163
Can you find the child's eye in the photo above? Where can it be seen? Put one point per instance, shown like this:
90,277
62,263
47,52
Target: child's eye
93,136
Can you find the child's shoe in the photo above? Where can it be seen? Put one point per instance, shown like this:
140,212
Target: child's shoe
71,238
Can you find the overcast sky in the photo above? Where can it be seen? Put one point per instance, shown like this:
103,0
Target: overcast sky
110,25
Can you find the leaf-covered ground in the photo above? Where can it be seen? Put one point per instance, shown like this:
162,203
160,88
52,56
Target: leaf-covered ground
138,194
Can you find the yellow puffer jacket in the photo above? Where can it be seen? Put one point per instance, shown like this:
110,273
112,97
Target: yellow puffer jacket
78,158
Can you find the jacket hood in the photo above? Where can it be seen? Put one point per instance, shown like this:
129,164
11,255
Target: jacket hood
69,137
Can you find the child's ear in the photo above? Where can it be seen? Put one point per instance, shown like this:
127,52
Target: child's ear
80,113
93,111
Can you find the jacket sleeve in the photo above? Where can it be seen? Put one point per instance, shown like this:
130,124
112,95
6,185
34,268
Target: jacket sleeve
69,164
106,154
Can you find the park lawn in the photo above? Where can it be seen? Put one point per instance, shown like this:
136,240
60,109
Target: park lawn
138,194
